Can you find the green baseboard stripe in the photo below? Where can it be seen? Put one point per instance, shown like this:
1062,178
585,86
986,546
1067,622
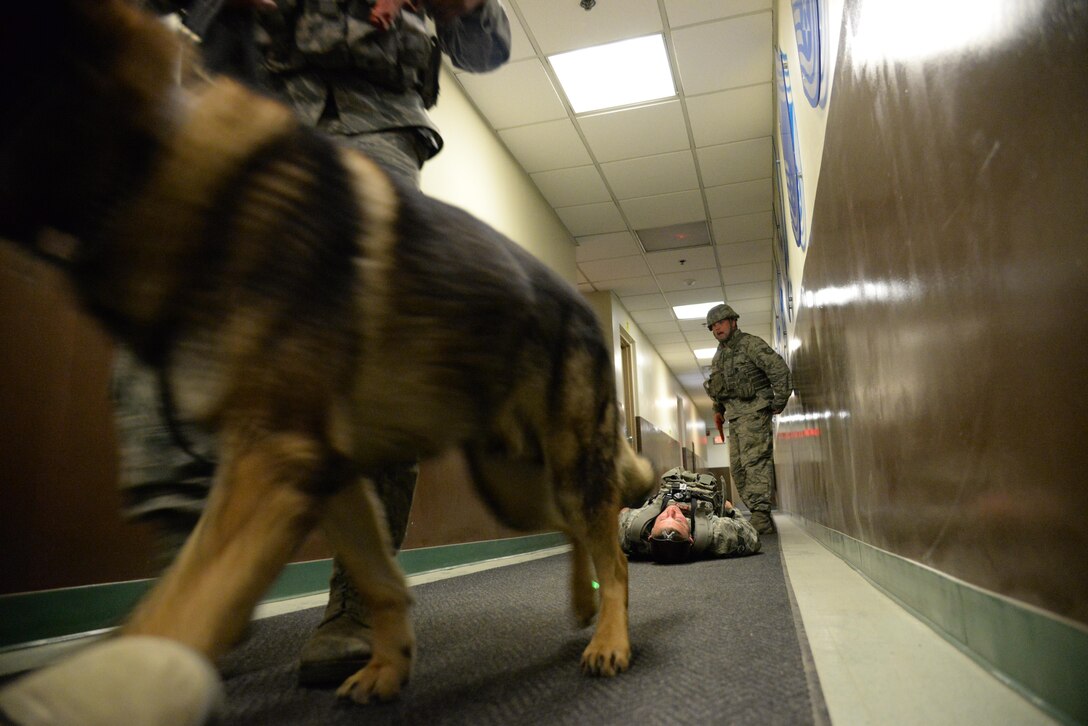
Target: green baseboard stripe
1041,655
49,614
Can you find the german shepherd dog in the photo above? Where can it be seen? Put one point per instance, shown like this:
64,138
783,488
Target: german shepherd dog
320,316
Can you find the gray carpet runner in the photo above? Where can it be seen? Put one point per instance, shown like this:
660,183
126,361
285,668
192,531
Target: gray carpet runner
715,642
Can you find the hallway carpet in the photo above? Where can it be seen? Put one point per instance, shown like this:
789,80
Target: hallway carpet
715,642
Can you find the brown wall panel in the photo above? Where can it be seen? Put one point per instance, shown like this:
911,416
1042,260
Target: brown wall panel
662,450
59,510
951,222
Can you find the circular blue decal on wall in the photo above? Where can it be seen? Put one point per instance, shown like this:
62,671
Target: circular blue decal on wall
809,23
787,131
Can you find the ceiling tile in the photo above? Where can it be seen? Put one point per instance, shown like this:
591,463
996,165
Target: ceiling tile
762,317
752,305
739,274
679,350
745,253
658,174
693,295
678,359
585,288
736,199
616,268
601,246
687,12
734,115
665,209
745,291
629,286
550,145
724,54
692,378
632,132
591,219
514,95
701,338
676,281
743,228
659,315
520,47
663,338
561,26
693,258
659,328
736,162
689,326
675,236
644,302
569,187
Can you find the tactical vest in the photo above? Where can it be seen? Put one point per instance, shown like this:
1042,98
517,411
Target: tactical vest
337,35
734,375
701,491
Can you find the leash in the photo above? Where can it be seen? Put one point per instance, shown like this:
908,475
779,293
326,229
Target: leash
173,425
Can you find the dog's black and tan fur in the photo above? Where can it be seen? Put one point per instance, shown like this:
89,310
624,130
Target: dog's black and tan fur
321,317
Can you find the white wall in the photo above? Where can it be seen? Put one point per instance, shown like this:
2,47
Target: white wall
718,454
474,171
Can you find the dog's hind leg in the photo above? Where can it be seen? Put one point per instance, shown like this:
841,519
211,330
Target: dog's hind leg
355,525
260,510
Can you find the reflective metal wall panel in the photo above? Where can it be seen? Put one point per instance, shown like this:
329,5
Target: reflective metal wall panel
941,407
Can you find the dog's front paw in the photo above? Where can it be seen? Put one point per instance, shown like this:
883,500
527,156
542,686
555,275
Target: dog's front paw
381,680
606,659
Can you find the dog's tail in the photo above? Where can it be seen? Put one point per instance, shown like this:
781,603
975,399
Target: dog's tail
637,478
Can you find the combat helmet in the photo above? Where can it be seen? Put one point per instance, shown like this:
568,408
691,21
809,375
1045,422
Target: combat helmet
670,548
719,312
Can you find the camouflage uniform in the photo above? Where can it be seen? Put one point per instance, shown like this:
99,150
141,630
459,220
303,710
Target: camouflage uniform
347,77
715,535
748,383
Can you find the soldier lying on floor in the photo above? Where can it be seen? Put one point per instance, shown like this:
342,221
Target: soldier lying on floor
688,519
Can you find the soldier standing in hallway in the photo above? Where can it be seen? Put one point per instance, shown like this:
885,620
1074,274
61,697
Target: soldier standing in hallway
749,383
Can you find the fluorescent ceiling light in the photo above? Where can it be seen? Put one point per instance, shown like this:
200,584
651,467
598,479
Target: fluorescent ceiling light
694,312
704,353
615,74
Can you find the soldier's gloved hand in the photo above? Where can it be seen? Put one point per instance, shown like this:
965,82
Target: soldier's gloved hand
385,12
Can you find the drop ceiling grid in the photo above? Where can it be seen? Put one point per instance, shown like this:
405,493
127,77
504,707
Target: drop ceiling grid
704,155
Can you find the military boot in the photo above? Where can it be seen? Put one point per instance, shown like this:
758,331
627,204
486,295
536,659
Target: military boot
762,522
341,644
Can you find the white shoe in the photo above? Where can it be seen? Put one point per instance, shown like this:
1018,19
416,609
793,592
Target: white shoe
138,680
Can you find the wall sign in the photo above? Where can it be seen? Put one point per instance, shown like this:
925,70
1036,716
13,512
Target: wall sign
791,157
810,26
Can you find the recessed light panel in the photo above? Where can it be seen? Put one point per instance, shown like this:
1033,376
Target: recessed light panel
615,74
675,236
694,312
